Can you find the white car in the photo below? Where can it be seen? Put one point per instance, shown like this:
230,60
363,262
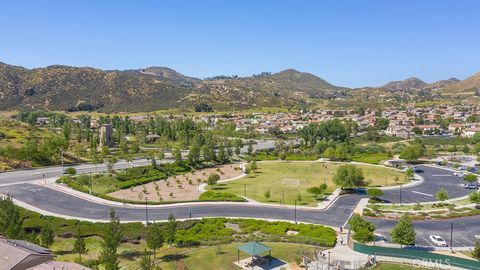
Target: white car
438,240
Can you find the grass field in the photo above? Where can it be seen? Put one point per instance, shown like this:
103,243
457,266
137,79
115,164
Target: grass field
214,257
293,178
222,258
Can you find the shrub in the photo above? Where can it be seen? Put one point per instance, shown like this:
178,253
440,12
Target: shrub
220,196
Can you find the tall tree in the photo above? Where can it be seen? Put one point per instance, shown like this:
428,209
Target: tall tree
79,246
112,236
170,229
349,176
154,238
10,219
404,233
46,235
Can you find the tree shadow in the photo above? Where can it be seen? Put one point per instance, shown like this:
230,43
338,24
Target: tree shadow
173,257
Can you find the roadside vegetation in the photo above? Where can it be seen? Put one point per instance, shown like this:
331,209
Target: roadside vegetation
128,244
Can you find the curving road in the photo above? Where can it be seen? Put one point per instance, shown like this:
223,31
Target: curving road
17,185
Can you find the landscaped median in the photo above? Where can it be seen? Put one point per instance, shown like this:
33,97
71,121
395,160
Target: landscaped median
461,207
162,184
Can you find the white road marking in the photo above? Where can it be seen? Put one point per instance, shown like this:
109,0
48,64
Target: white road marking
421,193
441,175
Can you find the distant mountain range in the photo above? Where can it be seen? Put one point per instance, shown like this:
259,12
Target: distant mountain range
153,88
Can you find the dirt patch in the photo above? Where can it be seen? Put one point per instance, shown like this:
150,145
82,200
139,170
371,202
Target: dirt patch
177,188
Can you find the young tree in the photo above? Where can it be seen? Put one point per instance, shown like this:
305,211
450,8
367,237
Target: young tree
267,194
146,263
363,229
375,193
238,144
476,250
194,153
112,236
79,245
442,195
170,229
10,219
177,155
470,178
409,172
154,237
349,176
46,235
212,179
404,233
250,149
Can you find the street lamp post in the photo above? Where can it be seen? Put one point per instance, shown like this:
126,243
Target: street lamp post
146,211
190,213
401,195
61,158
91,184
451,237
329,260
295,211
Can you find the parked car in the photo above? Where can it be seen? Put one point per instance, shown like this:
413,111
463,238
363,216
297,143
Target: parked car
470,185
438,240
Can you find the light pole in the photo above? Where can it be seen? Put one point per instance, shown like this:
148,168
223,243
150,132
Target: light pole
329,260
146,210
401,195
61,157
295,211
190,213
91,184
451,237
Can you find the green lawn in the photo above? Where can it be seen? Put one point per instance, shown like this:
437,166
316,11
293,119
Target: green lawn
295,178
371,158
214,258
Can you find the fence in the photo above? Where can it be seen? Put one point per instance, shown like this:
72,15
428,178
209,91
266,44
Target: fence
415,254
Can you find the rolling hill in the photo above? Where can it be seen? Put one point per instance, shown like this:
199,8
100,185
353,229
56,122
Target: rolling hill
82,88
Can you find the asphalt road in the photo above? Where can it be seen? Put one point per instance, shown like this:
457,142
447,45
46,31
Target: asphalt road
434,180
64,204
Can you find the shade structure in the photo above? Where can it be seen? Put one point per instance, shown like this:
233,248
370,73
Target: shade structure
254,248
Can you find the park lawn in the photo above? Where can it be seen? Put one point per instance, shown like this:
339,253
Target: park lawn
370,158
130,253
207,258
295,178
394,266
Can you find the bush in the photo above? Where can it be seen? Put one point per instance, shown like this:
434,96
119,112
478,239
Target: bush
70,170
220,196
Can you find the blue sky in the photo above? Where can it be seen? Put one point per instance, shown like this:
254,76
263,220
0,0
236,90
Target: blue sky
349,43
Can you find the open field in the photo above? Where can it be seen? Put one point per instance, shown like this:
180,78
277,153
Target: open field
222,258
279,177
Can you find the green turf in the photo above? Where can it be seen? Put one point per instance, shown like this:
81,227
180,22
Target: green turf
282,176
214,258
